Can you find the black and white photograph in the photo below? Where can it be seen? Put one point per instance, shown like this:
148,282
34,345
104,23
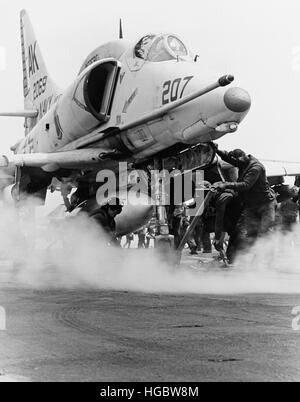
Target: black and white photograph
149,194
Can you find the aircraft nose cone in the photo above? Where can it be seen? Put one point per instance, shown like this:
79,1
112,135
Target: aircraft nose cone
237,100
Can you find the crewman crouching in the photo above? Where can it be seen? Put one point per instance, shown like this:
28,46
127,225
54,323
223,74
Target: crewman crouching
105,217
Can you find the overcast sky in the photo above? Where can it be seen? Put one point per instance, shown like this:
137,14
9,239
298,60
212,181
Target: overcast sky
257,41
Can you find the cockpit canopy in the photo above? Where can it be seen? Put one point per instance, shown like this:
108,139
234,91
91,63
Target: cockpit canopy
157,48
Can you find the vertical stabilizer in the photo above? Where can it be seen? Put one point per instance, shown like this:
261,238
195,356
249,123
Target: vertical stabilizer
40,91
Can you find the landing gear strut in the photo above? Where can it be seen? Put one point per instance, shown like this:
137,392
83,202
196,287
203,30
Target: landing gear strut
199,157
164,242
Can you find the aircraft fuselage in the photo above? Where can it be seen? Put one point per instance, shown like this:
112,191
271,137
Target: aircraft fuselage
133,87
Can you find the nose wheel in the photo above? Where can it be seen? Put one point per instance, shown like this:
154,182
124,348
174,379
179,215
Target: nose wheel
164,245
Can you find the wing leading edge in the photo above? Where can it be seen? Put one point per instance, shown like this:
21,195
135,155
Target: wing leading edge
281,168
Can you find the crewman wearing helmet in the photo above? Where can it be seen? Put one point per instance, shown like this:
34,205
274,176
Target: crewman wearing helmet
289,210
254,189
105,217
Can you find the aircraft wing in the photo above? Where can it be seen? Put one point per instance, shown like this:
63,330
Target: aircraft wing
49,162
79,158
281,168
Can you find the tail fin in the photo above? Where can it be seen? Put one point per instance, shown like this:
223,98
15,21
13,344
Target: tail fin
39,89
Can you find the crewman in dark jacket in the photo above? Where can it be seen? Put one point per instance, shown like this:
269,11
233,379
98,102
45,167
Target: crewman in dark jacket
253,187
228,173
105,217
289,210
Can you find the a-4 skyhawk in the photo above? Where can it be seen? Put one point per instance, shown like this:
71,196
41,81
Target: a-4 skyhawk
139,103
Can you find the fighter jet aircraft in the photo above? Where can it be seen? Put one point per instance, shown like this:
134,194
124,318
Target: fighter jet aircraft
131,102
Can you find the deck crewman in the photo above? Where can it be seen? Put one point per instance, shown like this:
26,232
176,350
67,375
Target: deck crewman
254,189
105,217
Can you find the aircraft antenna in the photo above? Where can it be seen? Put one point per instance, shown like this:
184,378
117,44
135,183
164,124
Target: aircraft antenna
121,30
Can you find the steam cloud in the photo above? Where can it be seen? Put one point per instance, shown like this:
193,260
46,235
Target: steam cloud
72,254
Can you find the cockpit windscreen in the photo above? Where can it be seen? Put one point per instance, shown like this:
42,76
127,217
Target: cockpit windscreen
157,48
